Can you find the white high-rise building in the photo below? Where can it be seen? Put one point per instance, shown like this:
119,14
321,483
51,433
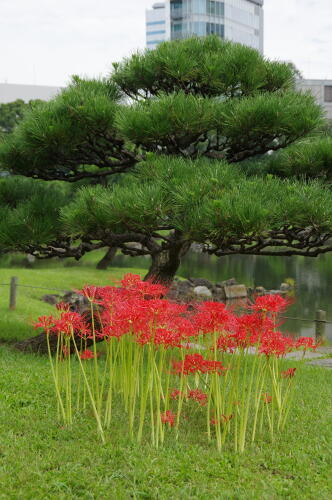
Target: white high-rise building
237,20
322,92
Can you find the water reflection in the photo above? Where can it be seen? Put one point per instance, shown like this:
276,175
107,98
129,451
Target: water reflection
313,278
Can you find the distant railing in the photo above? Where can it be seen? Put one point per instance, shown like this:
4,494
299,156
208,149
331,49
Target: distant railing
13,285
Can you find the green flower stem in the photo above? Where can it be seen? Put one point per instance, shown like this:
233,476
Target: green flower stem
258,393
181,398
93,403
79,382
247,406
69,384
95,360
57,391
144,392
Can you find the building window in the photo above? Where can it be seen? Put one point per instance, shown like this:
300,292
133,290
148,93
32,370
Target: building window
154,42
153,23
177,27
160,32
215,8
176,10
328,93
215,29
199,7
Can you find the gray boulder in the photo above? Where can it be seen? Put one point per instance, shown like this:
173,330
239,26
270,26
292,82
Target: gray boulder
200,282
202,291
236,291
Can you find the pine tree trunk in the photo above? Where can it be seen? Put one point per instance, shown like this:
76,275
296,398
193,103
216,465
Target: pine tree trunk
166,263
107,259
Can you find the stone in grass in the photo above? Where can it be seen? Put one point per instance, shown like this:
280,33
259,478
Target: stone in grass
218,293
260,290
236,292
285,287
200,282
51,299
202,291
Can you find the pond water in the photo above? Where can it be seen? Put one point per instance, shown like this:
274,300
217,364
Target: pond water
312,276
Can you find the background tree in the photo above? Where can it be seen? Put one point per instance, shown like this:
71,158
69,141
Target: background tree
189,129
11,113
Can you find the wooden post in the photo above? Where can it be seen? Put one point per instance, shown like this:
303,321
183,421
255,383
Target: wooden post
320,323
12,293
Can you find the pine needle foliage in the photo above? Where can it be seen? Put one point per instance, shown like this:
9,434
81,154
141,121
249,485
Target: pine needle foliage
30,213
206,66
206,200
306,159
211,143
69,137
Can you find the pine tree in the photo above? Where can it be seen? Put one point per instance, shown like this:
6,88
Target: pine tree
203,137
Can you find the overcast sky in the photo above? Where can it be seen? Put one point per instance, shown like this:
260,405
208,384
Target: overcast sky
45,41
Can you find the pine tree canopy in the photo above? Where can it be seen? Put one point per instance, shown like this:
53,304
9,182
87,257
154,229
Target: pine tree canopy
70,138
207,201
213,144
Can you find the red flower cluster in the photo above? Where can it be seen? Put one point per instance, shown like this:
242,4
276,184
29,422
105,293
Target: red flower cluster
68,323
168,418
200,397
271,304
87,354
138,308
195,363
175,394
306,343
288,373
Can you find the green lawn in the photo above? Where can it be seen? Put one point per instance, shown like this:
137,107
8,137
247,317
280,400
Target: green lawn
18,324
41,460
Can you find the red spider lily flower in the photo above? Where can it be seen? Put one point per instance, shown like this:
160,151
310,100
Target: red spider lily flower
200,397
89,291
87,354
168,417
63,306
288,373
276,344
211,317
266,398
194,363
249,329
270,303
175,394
306,343
45,322
133,283
70,322
225,343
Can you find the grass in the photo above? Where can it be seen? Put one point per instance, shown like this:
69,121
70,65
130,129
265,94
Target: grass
41,460
17,324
